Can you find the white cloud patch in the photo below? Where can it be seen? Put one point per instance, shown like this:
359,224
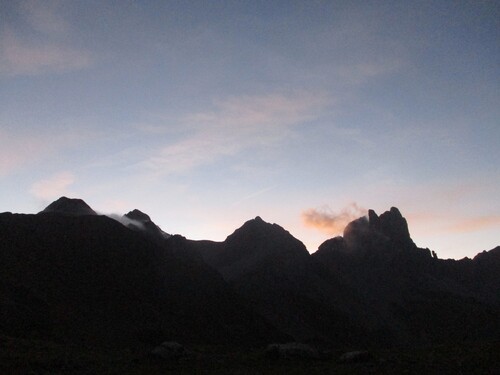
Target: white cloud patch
234,125
54,186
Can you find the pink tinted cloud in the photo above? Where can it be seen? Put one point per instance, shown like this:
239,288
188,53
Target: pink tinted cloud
20,149
17,151
234,125
54,186
43,44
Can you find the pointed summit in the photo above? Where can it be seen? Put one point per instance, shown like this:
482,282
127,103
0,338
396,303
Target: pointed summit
260,236
138,215
69,206
141,222
254,245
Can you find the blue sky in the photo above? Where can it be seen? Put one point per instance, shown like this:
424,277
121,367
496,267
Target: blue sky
206,114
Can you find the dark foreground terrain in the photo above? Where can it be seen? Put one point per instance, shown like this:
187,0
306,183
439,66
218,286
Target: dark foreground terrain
82,293
18,356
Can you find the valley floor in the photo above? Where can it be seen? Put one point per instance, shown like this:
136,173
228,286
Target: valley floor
20,356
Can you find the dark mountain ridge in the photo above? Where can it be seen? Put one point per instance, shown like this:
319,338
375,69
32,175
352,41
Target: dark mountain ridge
272,270
89,279
70,275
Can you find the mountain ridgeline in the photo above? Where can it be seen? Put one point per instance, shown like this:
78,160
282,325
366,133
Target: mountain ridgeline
70,275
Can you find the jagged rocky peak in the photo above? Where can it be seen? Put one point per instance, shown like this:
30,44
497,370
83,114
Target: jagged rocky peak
69,206
372,232
374,219
138,216
390,224
394,226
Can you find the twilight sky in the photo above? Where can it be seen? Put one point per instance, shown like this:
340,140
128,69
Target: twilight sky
205,114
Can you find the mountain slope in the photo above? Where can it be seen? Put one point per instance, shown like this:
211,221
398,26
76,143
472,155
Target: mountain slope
72,276
89,279
272,270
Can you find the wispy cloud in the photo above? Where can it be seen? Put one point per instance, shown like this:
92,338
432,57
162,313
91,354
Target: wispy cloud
435,223
234,125
19,149
40,45
360,72
475,224
254,195
54,186
15,152
43,16
20,57
329,221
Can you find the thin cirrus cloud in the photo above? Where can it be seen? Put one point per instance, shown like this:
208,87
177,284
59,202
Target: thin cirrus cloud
435,223
360,72
332,222
19,57
43,16
20,149
44,46
54,186
475,224
234,125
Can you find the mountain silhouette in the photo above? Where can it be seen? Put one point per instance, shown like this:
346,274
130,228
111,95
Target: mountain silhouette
270,268
413,297
89,279
72,276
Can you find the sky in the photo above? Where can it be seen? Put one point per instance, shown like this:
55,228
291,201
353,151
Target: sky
205,114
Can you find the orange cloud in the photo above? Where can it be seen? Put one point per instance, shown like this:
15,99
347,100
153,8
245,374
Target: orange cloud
435,223
475,224
329,221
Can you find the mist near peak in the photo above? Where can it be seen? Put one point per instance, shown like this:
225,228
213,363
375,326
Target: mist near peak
126,221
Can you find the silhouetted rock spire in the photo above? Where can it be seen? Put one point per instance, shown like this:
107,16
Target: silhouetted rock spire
394,226
386,233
